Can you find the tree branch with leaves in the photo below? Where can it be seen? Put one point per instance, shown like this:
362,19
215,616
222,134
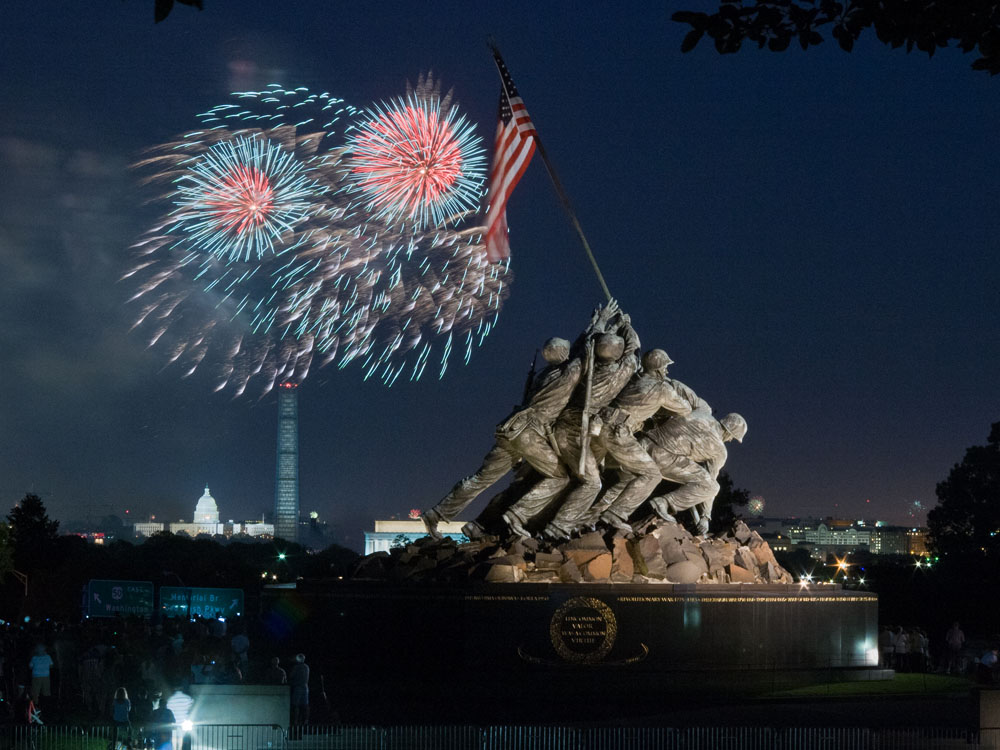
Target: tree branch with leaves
924,25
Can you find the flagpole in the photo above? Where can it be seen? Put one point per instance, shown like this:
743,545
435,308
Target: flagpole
564,199
556,183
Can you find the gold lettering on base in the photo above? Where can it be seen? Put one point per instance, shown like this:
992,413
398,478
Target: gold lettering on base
583,630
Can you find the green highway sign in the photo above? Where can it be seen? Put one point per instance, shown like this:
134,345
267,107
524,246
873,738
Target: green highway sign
113,598
201,602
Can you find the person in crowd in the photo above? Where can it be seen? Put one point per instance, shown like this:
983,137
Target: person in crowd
885,649
901,650
954,640
922,652
275,674
240,646
121,713
299,681
180,704
142,706
161,724
41,669
92,680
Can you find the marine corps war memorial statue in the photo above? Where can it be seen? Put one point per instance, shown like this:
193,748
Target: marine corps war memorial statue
599,552
615,470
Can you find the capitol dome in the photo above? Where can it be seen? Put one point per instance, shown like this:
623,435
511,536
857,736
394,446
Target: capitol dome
206,511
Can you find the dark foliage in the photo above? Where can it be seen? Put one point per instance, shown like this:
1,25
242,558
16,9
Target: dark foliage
923,24
966,521
162,8
32,532
727,501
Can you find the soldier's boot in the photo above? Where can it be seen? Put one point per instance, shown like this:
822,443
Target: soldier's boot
473,531
431,519
662,508
616,521
515,523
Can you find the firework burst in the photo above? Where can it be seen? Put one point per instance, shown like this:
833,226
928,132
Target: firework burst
242,196
416,160
327,282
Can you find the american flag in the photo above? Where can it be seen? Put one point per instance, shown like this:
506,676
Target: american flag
512,150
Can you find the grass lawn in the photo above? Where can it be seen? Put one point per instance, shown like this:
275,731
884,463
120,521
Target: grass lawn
901,684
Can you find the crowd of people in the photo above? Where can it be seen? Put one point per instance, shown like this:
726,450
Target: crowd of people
904,649
909,650
123,671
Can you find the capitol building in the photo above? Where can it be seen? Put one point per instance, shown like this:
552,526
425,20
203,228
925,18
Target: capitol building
206,521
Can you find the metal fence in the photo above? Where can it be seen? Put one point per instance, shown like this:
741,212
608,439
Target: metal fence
102,737
639,738
262,737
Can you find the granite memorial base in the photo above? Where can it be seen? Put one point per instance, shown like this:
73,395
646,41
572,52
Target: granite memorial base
513,651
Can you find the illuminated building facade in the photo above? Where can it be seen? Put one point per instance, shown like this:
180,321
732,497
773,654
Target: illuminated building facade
286,485
389,534
916,542
207,510
829,539
206,521
890,540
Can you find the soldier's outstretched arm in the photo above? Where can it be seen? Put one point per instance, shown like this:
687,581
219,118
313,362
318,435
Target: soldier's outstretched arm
627,332
674,402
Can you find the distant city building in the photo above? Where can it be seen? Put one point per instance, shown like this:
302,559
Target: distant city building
839,536
258,528
890,540
917,542
829,538
206,521
148,528
389,534
286,484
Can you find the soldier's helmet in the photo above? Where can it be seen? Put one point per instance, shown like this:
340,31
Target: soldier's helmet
735,426
655,360
555,350
609,346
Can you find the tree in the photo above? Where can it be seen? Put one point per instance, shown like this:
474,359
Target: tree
32,532
729,498
966,520
6,551
400,541
924,24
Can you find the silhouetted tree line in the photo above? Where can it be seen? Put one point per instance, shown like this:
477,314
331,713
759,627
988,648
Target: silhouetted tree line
59,566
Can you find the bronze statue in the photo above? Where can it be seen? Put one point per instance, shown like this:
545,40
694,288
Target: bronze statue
592,420
614,363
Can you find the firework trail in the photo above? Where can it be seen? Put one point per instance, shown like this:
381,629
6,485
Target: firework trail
265,265
416,160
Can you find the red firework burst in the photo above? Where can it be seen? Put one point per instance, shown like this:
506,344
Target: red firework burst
412,161
242,201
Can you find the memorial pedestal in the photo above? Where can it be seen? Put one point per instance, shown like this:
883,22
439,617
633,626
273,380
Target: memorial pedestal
455,648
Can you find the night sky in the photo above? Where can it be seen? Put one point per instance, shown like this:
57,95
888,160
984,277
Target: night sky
811,236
